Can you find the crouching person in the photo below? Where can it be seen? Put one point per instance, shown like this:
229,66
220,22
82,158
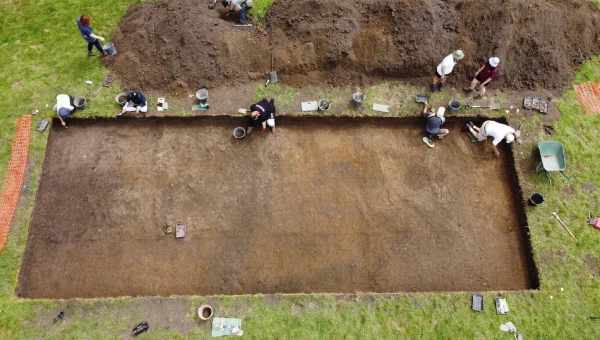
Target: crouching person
433,125
495,130
65,107
262,115
134,102
240,8
484,76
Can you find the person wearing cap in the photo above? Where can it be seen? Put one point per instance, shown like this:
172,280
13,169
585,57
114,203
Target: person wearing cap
497,131
64,108
262,115
134,102
433,125
484,76
93,40
240,7
445,68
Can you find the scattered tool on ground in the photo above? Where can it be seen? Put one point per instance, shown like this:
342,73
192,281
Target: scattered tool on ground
324,105
180,230
564,225
510,327
422,99
107,82
536,103
59,317
226,327
161,104
381,108
358,98
140,328
492,105
501,306
42,125
477,302
594,221
309,106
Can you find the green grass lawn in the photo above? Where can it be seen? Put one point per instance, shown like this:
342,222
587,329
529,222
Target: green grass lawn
42,54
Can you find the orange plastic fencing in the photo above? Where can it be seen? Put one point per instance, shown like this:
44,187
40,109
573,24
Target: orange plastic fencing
15,174
588,95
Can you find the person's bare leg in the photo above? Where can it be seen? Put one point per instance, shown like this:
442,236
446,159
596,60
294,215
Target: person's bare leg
443,133
474,130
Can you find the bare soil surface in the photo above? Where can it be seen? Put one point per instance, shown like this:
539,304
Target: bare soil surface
322,205
181,44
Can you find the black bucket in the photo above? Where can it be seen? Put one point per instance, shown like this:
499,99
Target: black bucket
536,199
454,106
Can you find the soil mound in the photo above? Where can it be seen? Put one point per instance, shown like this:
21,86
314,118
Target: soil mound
171,44
182,44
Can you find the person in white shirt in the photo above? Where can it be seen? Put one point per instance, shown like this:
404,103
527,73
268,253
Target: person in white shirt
64,108
445,68
495,130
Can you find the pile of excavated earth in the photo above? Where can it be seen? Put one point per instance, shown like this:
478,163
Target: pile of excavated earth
182,44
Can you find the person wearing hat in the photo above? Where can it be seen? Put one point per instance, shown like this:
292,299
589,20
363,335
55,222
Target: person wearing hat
484,76
262,115
495,130
134,102
83,24
64,108
445,68
433,125
240,7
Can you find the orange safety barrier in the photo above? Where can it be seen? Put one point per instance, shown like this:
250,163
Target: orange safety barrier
588,95
15,174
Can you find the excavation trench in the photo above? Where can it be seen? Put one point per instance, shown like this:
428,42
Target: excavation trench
323,205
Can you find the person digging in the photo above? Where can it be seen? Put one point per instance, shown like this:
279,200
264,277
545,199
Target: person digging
65,108
240,8
135,101
445,68
93,40
484,76
433,125
497,131
262,115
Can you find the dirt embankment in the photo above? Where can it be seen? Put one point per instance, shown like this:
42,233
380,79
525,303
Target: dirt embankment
180,44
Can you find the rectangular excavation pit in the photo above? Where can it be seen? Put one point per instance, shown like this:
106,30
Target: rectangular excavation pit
323,205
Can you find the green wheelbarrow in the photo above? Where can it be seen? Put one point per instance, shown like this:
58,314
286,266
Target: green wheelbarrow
552,156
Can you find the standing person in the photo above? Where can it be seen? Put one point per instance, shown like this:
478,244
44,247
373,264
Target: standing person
484,76
83,24
134,102
262,115
497,131
433,125
445,68
240,7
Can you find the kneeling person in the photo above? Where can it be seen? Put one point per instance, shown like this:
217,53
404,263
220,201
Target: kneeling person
64,108
135,102
433,125
262,115
495,130
240,7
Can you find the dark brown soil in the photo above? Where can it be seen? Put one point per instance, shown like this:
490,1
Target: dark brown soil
181,44
323,205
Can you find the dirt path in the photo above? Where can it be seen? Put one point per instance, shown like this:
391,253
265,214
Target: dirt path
323,205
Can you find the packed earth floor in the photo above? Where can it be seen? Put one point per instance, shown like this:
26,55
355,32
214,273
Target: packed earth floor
322,205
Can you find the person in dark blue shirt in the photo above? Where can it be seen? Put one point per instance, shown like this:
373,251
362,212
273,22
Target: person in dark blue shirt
83,24
433,125
135,102
262,115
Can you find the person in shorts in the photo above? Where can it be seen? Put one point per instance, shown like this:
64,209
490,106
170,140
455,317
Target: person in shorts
434,121
484,76
445,68
497,131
